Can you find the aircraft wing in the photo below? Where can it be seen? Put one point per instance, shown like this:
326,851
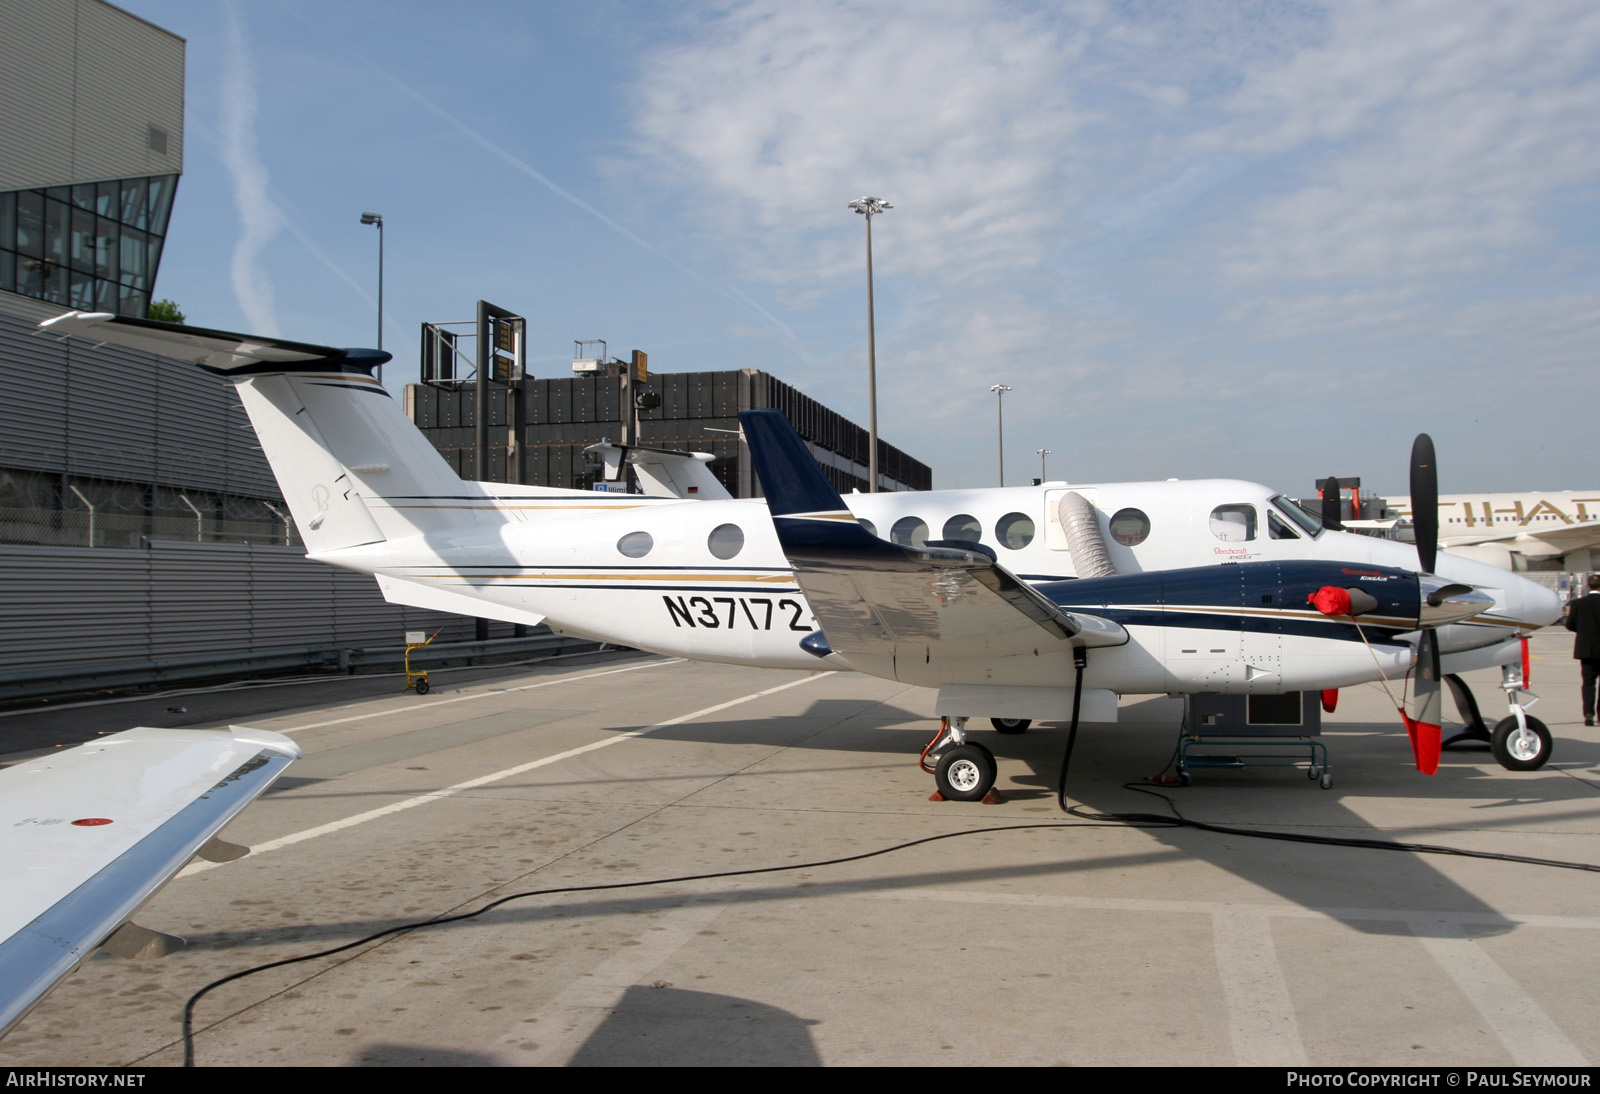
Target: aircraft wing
219,350
88,834
1553,541
871,596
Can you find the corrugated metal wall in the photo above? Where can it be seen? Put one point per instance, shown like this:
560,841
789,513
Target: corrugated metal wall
81,412
63,606
121,414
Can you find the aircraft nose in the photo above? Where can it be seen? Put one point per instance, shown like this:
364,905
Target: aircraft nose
1543,606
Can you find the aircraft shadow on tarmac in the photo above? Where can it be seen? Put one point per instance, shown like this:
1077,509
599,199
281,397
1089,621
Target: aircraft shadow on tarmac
670,1027
1371,761
653,1026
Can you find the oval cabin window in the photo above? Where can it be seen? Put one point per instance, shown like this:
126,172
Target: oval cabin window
909,532
963,527
1130,527
636,544
1014,531
726,540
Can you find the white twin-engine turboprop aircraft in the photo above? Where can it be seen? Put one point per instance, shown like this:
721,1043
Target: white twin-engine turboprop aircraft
1031,603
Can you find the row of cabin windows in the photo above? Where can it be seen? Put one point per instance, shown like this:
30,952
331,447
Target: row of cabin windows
1014,531
725,541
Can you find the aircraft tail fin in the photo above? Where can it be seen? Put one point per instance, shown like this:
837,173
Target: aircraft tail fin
352,467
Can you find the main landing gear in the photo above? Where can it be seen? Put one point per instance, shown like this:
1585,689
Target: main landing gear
1518,742
963,770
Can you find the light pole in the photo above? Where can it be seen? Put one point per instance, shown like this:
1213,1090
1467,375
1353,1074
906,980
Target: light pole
1000,422
377,218
869,207
1043,452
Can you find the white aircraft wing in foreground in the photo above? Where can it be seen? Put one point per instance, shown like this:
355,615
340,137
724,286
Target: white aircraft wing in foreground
88,834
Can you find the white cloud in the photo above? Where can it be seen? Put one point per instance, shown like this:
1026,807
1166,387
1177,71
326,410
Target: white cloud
1214,207
1416,140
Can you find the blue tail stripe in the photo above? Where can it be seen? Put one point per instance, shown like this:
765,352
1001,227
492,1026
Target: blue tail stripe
790,476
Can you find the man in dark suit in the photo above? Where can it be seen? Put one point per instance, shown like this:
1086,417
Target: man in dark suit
1583,620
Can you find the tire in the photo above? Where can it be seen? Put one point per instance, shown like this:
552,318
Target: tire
1518,751
965,773
1011,725
422,686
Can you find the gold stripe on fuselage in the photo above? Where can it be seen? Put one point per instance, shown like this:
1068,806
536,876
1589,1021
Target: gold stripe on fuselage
527,575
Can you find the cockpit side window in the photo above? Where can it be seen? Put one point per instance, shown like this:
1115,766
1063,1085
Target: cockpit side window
1234,523
1307,520
1278,528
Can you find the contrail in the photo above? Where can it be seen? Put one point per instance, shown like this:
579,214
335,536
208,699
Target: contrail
566,195
286,219
259,217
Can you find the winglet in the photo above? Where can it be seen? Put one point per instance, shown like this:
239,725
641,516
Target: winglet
788,471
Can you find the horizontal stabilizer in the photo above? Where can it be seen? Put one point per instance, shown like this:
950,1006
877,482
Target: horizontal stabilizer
218,350
416,594
663,472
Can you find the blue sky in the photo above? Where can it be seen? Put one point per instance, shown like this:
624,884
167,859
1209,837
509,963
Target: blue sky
1270,241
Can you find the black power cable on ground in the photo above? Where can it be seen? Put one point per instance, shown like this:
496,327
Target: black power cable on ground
1087,820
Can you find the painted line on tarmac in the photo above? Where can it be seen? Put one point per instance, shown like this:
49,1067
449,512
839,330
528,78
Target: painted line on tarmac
485,694
497,776
1261,1021
1527,1032
559,1029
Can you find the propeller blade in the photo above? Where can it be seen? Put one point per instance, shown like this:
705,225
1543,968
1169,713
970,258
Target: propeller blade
1331,515
1423,720
1425,501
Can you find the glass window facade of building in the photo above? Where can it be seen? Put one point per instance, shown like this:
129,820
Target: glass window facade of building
93,246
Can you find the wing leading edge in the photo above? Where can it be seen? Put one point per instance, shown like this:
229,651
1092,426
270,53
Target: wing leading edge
872,597
87,835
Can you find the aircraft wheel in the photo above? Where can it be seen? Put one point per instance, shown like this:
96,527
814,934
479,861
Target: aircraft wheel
965,773
422,686
1011,725
1517,749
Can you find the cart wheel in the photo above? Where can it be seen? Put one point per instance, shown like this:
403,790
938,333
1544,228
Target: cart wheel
422,686
1327,780
1314,772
